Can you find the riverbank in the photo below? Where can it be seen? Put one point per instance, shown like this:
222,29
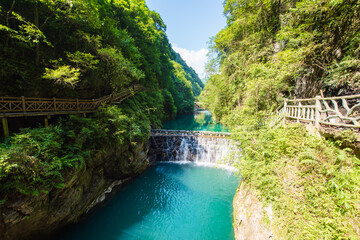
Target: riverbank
251,219
38,216
311,185
51,177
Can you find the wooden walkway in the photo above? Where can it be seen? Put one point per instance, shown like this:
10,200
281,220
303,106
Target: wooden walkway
24,106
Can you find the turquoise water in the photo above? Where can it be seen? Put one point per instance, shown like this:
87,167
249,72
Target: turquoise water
201,121
170,201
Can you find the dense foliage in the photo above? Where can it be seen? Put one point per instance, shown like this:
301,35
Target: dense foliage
35,160
312,186
191,75
88,49
274,49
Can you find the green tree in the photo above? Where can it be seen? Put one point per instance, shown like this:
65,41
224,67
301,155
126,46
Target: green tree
88,49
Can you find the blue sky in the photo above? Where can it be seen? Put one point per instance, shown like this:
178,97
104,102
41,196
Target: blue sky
190,24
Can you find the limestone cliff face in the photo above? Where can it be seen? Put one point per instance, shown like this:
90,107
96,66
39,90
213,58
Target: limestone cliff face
33,217
249,216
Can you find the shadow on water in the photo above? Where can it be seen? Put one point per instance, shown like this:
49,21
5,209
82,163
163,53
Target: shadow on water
200,121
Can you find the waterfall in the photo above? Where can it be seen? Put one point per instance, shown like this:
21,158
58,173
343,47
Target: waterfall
190,148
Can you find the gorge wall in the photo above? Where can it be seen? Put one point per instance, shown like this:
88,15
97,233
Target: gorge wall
35,217
250,215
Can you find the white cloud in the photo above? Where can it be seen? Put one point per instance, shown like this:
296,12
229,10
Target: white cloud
195,59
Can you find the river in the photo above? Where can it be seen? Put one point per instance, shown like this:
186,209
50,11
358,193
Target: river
170,201
173,200
200,121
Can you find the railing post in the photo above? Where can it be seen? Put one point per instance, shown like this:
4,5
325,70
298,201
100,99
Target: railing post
23,103
317,112
46,121
303,112
54,100
77,104
5,127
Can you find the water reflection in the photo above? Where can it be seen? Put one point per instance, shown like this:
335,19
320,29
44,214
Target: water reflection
200,121
202,117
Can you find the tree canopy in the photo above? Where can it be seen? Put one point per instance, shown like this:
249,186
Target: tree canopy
88,49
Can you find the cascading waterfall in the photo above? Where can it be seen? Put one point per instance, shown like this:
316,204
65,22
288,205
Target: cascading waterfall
200,149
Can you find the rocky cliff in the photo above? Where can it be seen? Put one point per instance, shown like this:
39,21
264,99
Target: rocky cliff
251,218
33,217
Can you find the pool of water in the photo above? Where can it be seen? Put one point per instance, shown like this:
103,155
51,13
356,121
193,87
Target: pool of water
200,121
170,201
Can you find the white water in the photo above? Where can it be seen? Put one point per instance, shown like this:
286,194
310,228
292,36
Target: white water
228,168
205,151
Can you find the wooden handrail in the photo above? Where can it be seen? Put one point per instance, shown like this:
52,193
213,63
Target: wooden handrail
342,111
30,106
300,100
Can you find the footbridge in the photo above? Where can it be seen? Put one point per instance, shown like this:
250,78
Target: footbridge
30,107
27,106
186,133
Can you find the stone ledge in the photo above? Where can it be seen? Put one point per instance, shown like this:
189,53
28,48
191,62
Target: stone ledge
249,215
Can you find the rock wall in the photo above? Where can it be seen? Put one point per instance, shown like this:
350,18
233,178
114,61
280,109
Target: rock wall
36,217
251,218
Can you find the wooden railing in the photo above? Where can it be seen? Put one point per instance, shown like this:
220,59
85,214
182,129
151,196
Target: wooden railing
332,111
19,106
185,133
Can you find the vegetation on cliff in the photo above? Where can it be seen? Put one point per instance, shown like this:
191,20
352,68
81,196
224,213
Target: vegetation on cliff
36,159
275,49
311,184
